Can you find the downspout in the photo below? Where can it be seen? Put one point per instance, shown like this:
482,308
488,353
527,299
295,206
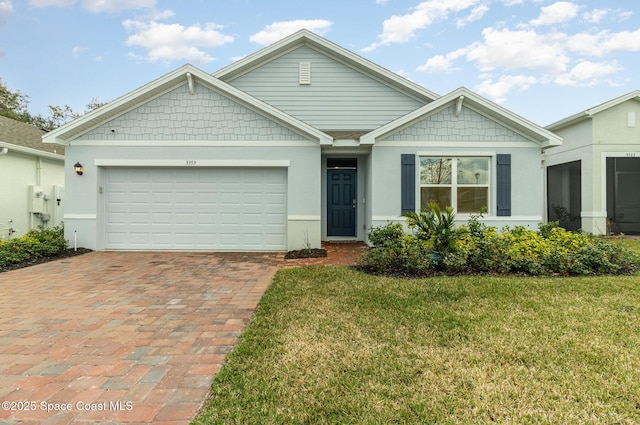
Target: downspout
39,171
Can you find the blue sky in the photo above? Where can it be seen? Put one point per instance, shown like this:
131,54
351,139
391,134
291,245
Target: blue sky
544,60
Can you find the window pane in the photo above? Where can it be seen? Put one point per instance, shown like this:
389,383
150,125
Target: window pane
440,195
473,170
471,199
435,170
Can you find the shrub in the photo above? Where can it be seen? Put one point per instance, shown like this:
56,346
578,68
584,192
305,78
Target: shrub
395,252
35,243
475,247
389,234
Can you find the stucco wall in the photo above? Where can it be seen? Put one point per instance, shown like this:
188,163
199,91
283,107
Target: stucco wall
605,135
83,212
526,182
17,172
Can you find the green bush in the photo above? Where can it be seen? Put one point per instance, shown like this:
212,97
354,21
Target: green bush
476,248
389,234
35,243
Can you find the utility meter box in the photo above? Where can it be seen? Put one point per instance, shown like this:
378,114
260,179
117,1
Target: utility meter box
36,199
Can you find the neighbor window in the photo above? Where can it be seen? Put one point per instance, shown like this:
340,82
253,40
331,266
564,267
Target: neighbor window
462,183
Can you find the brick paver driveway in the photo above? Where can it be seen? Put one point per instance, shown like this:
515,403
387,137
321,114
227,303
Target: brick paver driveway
122,337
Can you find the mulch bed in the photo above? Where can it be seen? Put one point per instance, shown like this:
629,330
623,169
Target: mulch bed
306,253
32,262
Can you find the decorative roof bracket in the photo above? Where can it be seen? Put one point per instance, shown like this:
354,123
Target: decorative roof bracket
192,89
459,105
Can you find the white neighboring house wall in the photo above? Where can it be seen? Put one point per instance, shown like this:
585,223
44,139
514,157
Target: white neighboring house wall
606,131
30,181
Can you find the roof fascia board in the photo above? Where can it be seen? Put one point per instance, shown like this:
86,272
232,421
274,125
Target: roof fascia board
31,151
470,99
170,82
589,113
614,102
57,135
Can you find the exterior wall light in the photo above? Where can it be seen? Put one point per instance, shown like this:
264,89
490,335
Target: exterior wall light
79,168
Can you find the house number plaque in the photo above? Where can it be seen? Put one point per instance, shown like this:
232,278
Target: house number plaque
190,162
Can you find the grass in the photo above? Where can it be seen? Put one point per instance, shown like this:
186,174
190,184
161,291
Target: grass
632,244
333,346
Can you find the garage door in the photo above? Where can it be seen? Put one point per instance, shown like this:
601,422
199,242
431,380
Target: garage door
195,208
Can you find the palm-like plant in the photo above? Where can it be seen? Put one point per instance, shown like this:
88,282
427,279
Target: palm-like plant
435,225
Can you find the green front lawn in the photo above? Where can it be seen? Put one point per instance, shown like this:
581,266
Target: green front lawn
333,345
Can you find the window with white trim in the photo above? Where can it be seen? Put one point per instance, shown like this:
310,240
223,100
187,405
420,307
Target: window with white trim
459,182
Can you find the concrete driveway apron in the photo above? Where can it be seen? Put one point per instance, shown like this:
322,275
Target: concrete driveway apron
122,337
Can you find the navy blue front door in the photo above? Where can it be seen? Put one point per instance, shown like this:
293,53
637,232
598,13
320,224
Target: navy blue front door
341,202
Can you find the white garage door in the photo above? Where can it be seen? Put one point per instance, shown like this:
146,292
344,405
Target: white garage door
195,208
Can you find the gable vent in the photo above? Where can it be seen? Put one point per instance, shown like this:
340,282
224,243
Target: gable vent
305,73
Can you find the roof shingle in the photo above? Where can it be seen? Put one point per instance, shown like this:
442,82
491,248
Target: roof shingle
26,135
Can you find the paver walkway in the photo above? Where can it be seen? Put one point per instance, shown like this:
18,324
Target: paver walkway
126,337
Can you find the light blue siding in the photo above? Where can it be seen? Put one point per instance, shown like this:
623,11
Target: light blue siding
204,116
468,126
338,98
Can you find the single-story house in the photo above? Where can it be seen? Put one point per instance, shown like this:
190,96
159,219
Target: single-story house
593,179
300,142
31,179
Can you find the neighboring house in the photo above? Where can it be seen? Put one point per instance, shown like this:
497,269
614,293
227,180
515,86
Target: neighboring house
299,142
31,179
593,179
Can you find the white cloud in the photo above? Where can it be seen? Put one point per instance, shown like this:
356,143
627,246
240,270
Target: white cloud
587,73
437,63
279,30
6,10
561,11
442,63
498,90
604,42
402,28
98,6
475,15
595,16
55,3
112,6
77,50
518,49
169,42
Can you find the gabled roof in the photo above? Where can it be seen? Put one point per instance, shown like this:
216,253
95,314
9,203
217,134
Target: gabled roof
307,38
463,96
26,138
634,95
186,74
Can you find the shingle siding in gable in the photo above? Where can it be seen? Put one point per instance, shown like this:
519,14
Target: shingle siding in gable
204,116
338,98
468,126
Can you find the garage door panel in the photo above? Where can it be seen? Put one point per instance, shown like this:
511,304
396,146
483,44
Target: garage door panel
228,209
